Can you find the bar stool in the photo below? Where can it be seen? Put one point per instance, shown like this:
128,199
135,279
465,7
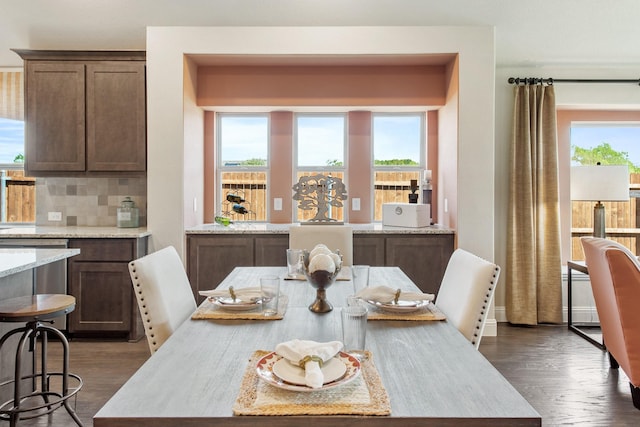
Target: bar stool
34,310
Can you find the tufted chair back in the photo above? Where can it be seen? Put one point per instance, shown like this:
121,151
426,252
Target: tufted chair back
614,273
466,293
163,292
334,236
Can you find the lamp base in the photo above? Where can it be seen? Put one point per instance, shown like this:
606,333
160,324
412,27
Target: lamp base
598,220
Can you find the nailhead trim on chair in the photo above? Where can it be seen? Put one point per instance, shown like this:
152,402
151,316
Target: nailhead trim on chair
484,307
147,319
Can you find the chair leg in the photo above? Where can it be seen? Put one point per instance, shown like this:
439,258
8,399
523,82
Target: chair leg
635,395
613,362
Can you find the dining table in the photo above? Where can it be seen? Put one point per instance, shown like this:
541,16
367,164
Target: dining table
419,370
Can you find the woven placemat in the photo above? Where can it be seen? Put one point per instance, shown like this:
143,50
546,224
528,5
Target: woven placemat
365,395
428,312
209,310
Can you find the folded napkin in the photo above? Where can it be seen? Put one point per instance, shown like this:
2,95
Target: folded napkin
242,294
385,295
309,355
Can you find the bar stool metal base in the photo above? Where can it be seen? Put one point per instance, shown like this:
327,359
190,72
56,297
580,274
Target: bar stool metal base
25,404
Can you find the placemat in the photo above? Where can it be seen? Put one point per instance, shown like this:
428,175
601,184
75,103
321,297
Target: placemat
209,310
428,312
365,395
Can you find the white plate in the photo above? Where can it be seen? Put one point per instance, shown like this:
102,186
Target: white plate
228,303
340,370
400,306
332,370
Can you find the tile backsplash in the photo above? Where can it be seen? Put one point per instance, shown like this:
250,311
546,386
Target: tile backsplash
89,202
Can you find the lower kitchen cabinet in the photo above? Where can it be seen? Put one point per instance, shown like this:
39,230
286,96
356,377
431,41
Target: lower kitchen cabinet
99,279
211,258
422,257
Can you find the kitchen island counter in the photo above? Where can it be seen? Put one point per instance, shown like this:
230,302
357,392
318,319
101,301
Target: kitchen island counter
17,260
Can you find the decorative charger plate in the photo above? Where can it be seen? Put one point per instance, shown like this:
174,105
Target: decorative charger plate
340,370
238,304
401,306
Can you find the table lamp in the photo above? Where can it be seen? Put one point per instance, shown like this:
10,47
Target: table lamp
600,183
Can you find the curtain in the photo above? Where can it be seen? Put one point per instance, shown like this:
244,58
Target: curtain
534,270
12,95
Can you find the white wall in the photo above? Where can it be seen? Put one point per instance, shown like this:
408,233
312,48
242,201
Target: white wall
568,95
166,47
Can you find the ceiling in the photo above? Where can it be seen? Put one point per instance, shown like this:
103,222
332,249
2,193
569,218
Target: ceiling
571,33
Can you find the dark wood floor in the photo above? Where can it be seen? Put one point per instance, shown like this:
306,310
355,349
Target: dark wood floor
565,378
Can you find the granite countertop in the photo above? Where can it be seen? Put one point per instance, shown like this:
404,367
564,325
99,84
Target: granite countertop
73,232
17,260
268,228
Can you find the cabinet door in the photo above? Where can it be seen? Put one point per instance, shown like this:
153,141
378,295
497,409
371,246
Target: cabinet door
368,250
55,117
116,118
271,250
211,258
103,294
422,258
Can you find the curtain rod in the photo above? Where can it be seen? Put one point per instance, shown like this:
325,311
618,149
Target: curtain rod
550,81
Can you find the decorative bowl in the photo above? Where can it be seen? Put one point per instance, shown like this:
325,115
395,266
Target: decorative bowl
321,280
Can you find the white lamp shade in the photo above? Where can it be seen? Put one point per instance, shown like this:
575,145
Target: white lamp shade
600,183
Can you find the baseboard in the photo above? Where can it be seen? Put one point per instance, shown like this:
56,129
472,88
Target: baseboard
490,328
585,314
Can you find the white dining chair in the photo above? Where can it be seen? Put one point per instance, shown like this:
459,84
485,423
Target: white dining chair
334,236
466,293
163,292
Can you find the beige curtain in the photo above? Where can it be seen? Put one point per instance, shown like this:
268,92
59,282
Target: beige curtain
12,95
534,271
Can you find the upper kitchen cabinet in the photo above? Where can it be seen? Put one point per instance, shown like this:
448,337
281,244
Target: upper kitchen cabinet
85,112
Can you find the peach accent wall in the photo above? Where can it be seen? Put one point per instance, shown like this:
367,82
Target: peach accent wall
432,160
231,86
359,181
209,197
564,120
280,167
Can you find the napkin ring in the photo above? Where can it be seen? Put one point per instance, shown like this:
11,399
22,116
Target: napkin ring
306,359
232,293
395,299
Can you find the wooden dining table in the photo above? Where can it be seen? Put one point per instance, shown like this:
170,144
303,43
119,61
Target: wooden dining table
431,374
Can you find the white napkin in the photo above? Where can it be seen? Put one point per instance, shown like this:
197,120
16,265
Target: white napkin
296,350
386,294
242,294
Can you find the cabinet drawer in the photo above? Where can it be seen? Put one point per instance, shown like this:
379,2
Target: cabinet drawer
104,249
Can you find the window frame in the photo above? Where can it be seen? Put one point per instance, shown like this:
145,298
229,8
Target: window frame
422,166
221,168
344,169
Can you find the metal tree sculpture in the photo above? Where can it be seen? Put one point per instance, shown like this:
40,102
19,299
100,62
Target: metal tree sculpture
320,192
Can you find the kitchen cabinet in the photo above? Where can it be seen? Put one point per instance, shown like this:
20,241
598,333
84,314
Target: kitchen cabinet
421,256
211,258
85,112
99,279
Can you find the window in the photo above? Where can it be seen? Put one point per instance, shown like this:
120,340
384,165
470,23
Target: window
17,192
243,164
320,149
611,143
399,146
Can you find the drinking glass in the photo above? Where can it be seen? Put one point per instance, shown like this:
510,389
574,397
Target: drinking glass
360,275
294,267
270,290
354,329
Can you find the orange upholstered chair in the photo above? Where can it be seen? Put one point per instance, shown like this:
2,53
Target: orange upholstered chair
615,278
